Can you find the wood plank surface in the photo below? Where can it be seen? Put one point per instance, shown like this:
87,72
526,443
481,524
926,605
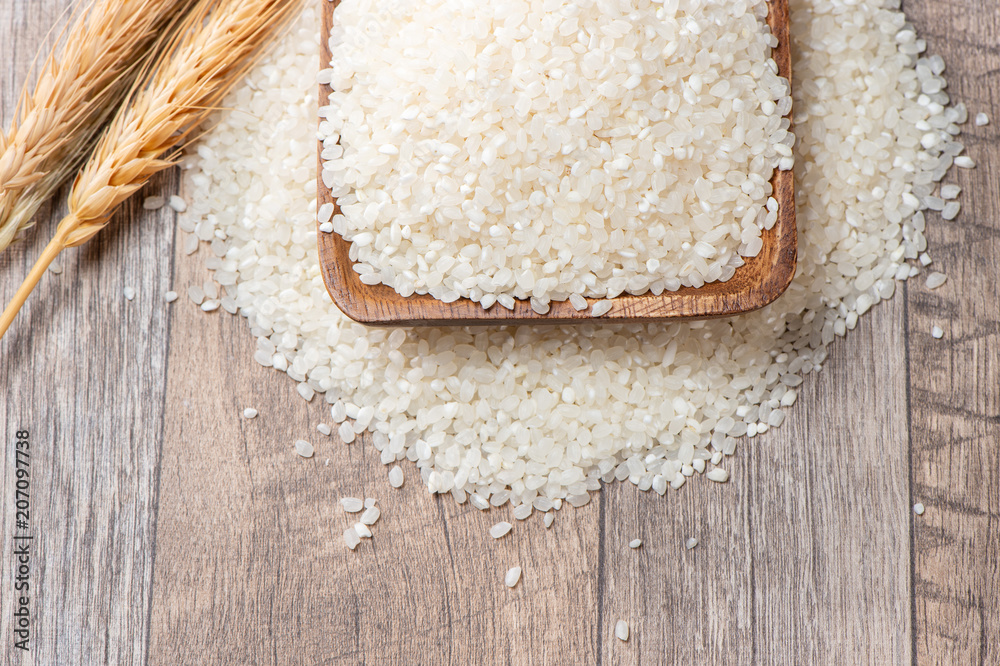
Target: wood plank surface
955,382
170,530
82,371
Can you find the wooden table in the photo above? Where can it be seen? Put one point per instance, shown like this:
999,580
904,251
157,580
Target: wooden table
169,530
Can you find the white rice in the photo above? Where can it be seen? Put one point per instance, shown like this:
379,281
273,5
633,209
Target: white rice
587,147
690,543
346,432
249,413
512,576
371,515
935,280
621,630
601,308
196,294
950,191
352,504
177,203
170,296
304,448
634,543
520,414
522,511
396,477
500,529
718,474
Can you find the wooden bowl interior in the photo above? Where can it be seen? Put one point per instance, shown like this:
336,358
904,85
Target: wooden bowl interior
755,284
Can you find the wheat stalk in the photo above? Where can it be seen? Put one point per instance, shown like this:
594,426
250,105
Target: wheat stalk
211,52
82,83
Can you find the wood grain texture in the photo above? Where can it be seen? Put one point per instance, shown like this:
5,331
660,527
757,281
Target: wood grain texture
82,370
170,530
760,281
954,383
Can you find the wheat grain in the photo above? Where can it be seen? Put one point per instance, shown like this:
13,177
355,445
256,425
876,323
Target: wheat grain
212,49
79,87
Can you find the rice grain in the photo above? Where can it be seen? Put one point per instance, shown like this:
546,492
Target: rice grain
512,576
500,529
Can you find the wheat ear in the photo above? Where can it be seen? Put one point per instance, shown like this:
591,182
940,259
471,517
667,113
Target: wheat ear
212,51
80,86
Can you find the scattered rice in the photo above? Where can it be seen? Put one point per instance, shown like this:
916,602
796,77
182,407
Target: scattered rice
396,477
177,203
513,575
935,280
635,543
352,504
324,429
522,511
129,293
370,502
965,162
250,413
500,529
170,296
362,530
718,474
950,191
621,630
371,515
351,538
484,412
918,509
951,210
153,203
304,448
982,119
690,543
346,432
210,306
482,170
55,269
549,519
196,294
937,332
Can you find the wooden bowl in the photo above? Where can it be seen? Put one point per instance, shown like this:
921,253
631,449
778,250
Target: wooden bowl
755,284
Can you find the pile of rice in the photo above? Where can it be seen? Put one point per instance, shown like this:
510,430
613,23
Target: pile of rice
537,415
549,148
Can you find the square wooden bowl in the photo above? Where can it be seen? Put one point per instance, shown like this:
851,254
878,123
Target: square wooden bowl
755,284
